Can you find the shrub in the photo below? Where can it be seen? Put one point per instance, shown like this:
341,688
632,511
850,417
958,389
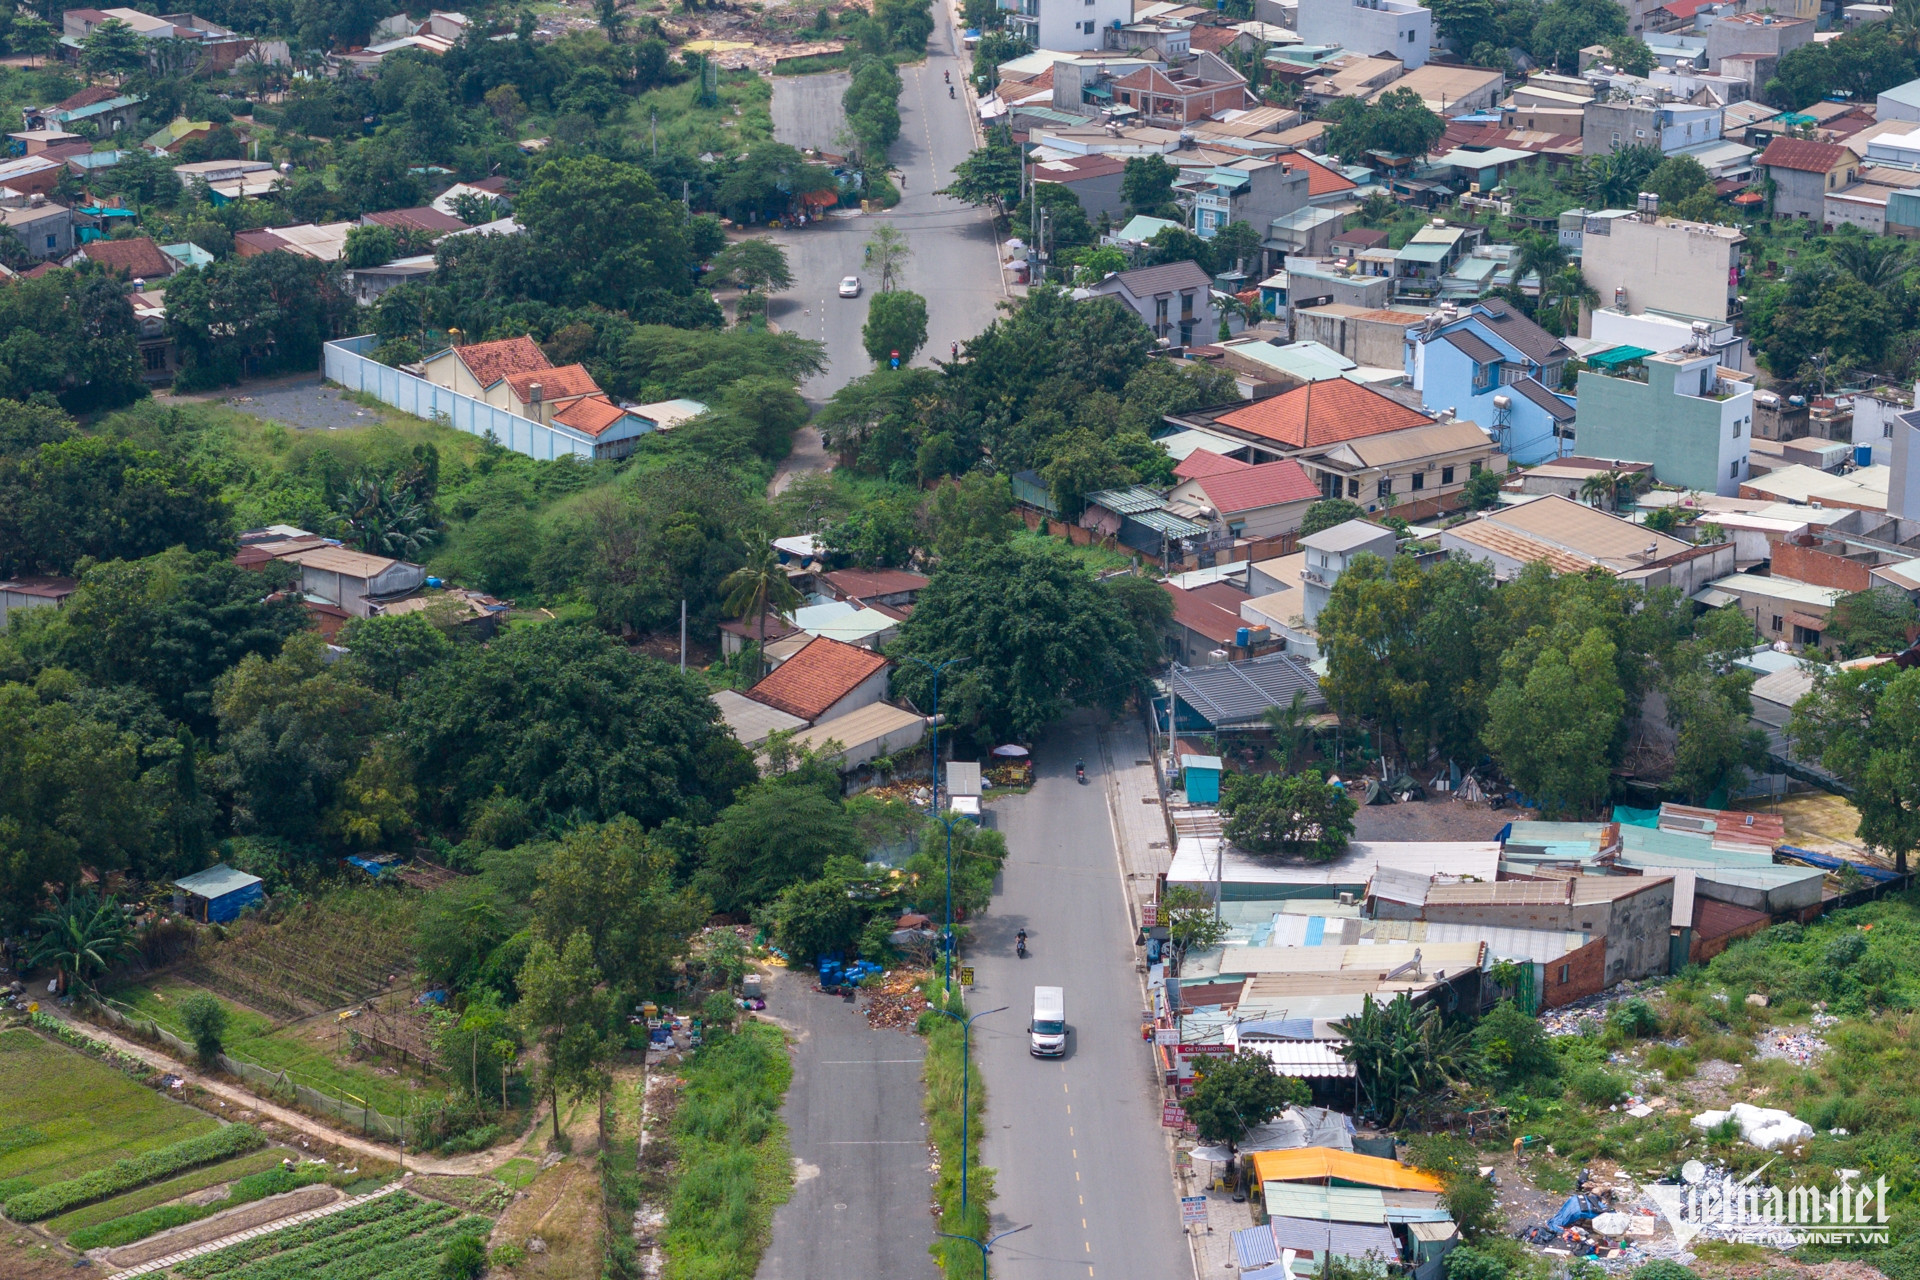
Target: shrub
1467,1262
1845,951
465,1258
1663,1269
205,1019
1634,1019
124,1175
1595,1086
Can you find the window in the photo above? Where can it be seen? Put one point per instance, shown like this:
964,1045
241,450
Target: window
1777,620
1446,475
1616,137
1886,430
1566,973
1353,488
156,358
1733,469
1087,26
1736,428
53,242
1419,481
1385,486
1473,468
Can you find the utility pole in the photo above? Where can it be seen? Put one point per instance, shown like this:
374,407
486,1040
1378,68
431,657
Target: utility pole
653,126
683,637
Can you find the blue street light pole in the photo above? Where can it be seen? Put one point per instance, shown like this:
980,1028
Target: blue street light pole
984,1246
933,810
966,1121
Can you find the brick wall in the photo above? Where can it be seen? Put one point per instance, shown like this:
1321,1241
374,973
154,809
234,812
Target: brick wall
1586,974
1819,568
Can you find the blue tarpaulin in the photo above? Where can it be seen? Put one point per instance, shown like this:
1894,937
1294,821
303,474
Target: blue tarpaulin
1636,817
370,867
1577,1209
1828,862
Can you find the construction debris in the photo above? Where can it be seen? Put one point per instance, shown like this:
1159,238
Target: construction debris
897,1002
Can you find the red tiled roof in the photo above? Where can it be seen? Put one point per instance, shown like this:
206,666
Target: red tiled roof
1212,611
1686,8
1804,156
136,257
489,362
590,415
1321,181
1323,413
92,93
1268,485
858,584
1211,39
555,383
46,588
1204,462
422,219
1363,237
812,680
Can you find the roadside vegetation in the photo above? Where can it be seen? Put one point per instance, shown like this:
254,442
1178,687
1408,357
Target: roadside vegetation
944,1076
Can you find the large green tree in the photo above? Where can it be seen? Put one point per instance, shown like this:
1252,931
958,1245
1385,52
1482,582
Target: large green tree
1035,636
615,883
1239,1092
563,1006
575,724
776,834
1146,184
1876,620
605,229
990,175
1551,723
101,499
1300,814
1863,725
248,317
896,322
1397,123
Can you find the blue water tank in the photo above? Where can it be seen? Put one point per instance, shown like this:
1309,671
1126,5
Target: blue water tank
1863,455
435,583
1240,637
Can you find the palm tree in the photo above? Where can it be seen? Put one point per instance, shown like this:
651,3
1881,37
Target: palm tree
1400,1054
83,935
758,587
1292,730
1877,263
1904,24
1544,257
1570,292
1598,487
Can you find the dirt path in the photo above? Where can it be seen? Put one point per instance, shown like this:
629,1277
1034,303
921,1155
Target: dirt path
809,457
479,1162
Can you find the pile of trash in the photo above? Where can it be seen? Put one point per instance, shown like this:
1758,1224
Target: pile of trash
1586,1015
1763,1127
897,1002
839,978
1799,1048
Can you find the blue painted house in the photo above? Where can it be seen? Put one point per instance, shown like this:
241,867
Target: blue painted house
1491,365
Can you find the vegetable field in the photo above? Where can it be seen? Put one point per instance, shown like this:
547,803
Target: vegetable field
336,950
396,1237
158,1193
63,1115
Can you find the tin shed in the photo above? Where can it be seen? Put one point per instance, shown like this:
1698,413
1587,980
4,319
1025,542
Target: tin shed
218,894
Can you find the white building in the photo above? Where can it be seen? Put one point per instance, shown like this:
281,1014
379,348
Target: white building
1066,26
1374,28
1640,263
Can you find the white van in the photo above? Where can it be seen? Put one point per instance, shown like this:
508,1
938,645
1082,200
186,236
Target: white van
1049,1026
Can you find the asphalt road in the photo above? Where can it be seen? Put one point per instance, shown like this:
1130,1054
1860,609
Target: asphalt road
954,266
853,1112
1075,1141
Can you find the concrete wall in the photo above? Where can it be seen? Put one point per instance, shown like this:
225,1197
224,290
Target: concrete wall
1692,441
1391,27
1681,267
1798,194
1378,343
1068,26
345,365
1779,37
1903,488
1637,929
864,694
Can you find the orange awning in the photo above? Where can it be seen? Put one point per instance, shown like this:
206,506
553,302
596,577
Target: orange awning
1326,1165
821,198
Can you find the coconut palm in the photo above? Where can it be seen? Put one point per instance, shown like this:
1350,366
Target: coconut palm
1292,727
83,936
1542,256
1569,291
1903,24
1599,487
757,588
1877,263
385,518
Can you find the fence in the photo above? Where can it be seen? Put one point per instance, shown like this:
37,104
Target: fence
352,1112
347,364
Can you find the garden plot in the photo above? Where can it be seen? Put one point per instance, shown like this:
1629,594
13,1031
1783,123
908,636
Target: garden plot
63,1115
337,950
393,1237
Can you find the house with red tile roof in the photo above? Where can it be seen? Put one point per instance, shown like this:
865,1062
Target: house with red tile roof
425,221
479,367
874,587
1205,462
534,393
824,681
135,258
1207,622
1261,501
1317,415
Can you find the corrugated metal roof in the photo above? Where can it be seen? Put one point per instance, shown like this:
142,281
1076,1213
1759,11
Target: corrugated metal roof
1312,1238
1313,1060
1171,525
1318,1164
216,881
1235,693
1324,1204
1130,501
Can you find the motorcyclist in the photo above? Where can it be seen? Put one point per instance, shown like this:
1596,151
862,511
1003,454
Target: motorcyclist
1080,770
947,76
1020,941
950,91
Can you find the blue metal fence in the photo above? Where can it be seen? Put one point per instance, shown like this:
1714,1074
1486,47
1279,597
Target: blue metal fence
348,365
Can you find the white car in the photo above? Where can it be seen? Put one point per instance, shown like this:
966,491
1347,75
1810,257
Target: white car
850,287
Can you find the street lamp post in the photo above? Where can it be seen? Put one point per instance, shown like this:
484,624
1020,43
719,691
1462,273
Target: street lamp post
966,1120
984,1246
933,811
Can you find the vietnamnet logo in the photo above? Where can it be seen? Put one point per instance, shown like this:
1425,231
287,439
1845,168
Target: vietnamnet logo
1751,1212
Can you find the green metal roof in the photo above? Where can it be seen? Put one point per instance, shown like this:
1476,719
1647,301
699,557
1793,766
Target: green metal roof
1617,357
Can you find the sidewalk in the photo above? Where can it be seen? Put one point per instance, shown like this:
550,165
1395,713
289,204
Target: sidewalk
477,1163
1139,819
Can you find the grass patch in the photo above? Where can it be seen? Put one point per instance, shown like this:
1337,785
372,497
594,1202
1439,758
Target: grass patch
305,1049
686,126
518,1173
1093,557
815,63
63,1114
476,1195
944,1078
160,1192
731,1148
138,1226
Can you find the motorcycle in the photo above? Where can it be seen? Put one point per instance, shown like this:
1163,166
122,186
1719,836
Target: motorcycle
1020,945
1080,772
950,91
